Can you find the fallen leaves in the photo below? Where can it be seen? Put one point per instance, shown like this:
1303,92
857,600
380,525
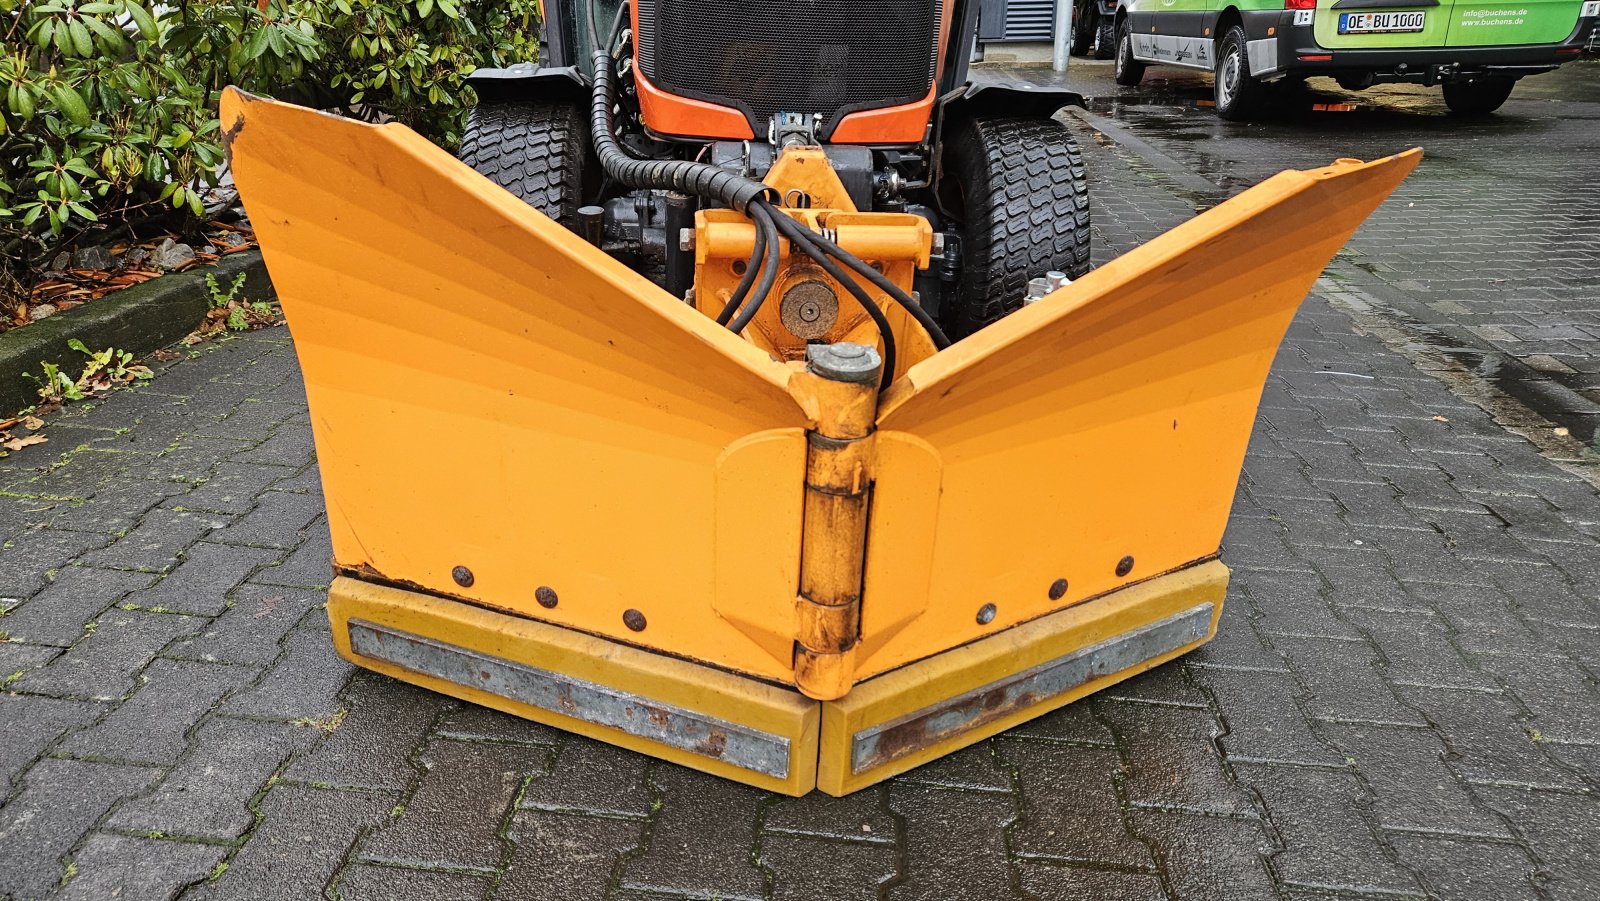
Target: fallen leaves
72,287
10,442
1441,419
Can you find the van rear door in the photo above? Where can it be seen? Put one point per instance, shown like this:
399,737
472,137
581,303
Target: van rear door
1382,24
1492,23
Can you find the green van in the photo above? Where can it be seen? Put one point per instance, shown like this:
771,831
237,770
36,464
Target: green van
1475,49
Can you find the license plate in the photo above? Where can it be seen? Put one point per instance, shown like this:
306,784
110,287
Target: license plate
1379,23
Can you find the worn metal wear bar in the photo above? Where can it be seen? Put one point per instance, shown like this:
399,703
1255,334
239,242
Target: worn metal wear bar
674,726
885,742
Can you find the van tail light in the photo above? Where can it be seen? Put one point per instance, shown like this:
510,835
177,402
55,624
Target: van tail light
1299,4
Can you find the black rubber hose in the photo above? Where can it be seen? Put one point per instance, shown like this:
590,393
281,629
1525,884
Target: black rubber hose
804,241
700,179
940,339
742,290
769,268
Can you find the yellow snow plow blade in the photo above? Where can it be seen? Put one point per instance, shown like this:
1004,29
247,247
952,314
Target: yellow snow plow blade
556,489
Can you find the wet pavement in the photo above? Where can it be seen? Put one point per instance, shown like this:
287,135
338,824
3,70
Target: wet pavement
1401,703
1489,253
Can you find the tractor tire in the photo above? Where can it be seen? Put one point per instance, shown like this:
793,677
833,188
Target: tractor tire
1239,95
1128,71
1105,41
537,151
1478,97
1025,211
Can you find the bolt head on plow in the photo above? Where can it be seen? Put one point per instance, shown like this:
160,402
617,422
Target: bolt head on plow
642,527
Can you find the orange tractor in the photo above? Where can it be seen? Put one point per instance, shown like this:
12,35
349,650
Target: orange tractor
743,395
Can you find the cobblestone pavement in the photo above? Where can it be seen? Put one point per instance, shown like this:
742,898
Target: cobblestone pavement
1401,702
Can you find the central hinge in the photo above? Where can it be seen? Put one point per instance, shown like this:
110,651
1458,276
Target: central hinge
843,379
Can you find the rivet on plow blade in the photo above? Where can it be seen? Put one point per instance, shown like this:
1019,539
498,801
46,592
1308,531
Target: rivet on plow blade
634,620
462,576
546,596
986,614
1058,589
1125,566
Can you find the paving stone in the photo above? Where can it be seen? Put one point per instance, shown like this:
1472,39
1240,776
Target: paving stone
202,579
17,658
1209,857
1173,761
304,835
1291,603
1411,785
1166,684
310,566
232,488
579,854
303,684
154,545
695,854
287,446
59,801
104,662
207,794
276,520
371,746
1345,683
1070,808
1457,869
805,868
592,777
1559,828
253,420
121,866
151,726
1490,739
366,882
1264,718
1237,643
114,508
861,816
1559,693
57,614
952,838
251,630
974,767
1418,650
32,725
1074,723
1054,882
454,817
1326,842
473,722
192,458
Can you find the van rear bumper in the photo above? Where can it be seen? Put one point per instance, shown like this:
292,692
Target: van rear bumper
1279,47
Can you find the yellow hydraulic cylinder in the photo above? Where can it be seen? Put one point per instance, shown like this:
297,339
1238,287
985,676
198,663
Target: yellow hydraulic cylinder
842,379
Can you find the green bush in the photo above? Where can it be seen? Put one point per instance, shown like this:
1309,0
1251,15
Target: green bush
108,120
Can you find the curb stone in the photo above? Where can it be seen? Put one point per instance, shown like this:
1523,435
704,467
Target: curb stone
138,319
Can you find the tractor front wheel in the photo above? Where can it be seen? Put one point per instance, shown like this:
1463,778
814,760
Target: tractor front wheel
1024,198
537,151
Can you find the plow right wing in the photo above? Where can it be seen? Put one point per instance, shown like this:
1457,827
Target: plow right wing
1095,438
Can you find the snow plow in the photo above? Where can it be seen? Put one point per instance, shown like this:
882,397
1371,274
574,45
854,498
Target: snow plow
775,426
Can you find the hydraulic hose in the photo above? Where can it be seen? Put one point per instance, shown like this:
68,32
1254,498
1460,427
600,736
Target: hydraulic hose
763,216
